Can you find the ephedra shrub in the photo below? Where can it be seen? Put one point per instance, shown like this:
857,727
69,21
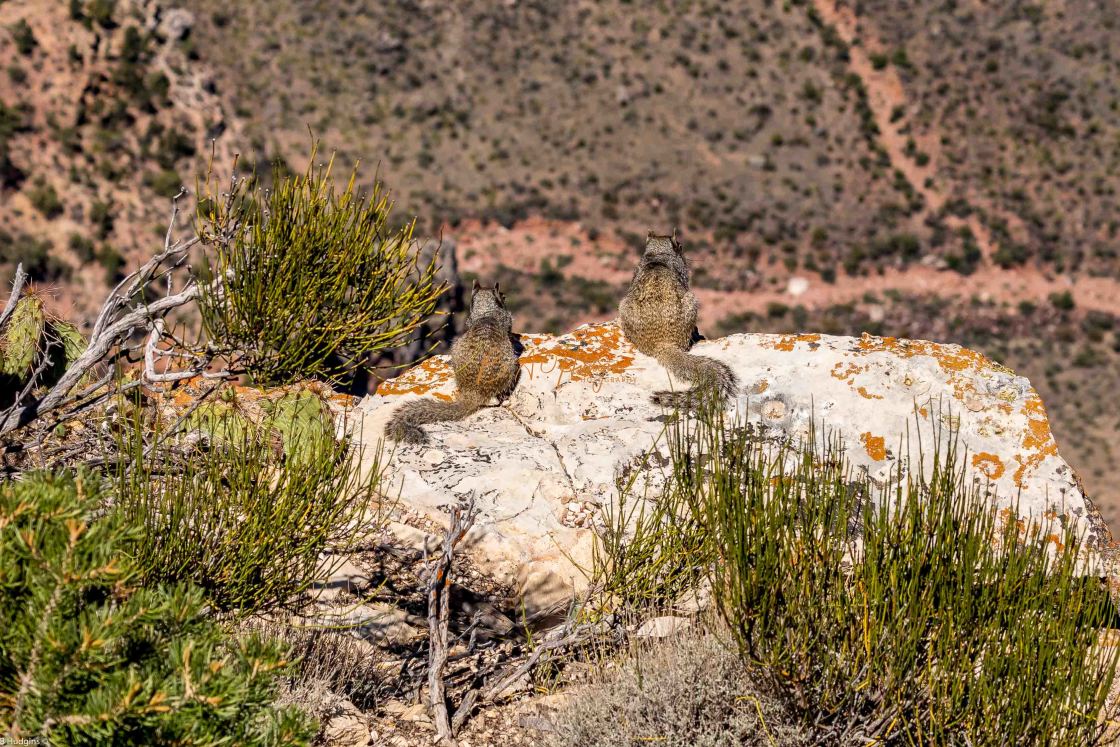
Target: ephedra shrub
250,511
914,613
312,278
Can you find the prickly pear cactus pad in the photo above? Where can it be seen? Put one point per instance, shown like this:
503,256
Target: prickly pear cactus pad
20,339
542,465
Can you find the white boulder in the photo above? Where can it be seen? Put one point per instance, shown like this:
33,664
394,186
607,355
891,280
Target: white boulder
542,465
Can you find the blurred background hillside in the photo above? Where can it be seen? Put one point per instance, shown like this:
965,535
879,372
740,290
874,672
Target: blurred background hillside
935,168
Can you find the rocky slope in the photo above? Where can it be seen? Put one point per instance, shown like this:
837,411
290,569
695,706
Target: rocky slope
104,116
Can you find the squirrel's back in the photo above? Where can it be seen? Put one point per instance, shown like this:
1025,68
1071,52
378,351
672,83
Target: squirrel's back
658,316
656,310
485,367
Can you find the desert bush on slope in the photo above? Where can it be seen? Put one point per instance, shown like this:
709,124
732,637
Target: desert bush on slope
88,656
312,280
247,517
911,613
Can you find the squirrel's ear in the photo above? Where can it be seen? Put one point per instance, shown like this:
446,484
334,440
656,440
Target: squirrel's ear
676,244
476,285
650,234
496,288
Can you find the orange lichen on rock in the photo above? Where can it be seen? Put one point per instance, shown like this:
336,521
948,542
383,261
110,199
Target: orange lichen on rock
588,351
1038,441
420,379
875,446
787,342
989,465
952,359
845,371
1056,540
949,357
868,395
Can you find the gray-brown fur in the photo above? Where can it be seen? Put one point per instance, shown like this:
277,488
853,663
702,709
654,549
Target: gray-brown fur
658,316
485,367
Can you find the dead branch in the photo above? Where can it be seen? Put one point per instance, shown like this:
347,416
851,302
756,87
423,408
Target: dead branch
438,575
150,352
17,289
112,334
562,638
123,314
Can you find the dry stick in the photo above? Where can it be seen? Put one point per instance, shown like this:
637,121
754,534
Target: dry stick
438,574
150,351
17,288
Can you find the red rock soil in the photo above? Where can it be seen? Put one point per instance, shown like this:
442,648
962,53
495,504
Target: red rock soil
481,249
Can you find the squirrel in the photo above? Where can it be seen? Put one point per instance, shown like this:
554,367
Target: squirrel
658,316
483,361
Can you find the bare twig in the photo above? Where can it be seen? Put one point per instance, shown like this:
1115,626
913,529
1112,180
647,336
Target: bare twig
563,637
438,575
17,289
150,352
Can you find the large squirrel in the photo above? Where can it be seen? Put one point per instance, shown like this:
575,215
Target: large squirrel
658,316
485,367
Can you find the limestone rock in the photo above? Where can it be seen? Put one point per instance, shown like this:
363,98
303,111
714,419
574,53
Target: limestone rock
375,622
346,731
581,419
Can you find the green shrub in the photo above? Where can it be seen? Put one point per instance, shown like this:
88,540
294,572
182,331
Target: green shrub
910,613
315,280
247,515
165,183
113,262
45,199
101,216
101,12
1063,300
1009,254
82,247
23,37
173,147
87,657
646,554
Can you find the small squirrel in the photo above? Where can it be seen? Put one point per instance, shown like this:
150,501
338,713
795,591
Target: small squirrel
485,367
658,316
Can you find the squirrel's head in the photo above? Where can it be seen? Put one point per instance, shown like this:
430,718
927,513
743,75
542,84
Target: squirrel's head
485,300
662,247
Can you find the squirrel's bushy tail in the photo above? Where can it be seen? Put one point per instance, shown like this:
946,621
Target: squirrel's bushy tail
404,424
710,379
